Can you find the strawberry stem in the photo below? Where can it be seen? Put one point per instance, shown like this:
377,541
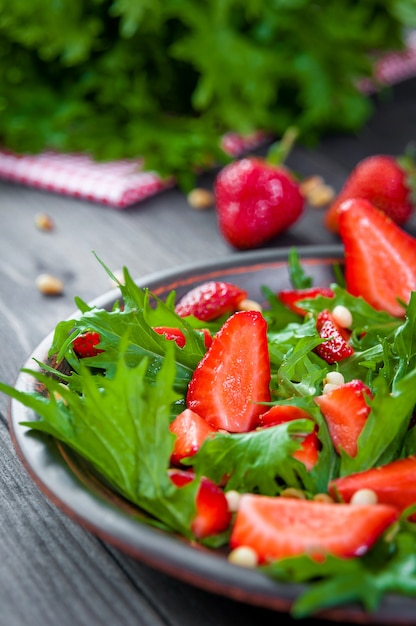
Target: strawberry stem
279,151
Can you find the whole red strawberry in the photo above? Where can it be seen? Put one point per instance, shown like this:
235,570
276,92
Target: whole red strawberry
255,201
383,181
258,198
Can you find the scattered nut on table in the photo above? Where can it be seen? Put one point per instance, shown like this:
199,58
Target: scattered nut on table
49,285
44,221
317,192
200,198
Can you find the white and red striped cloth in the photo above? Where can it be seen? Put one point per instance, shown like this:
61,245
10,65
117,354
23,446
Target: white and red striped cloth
123,183
115,183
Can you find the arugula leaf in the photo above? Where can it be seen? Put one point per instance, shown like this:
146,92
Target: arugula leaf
297,274
141,311
405,343
278,316
367,321
121,426
258,461
383,435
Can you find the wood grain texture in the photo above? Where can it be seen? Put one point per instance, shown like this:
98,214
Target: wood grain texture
50,569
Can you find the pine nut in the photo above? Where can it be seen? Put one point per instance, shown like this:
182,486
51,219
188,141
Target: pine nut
249,305
334,378
364,496
244,556
323,497
342,316
200,199
292,492
328,387
317,193
310,183
44,221
49,285
119,276
233,499
321,196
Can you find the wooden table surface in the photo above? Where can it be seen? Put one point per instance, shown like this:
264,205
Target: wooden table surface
52,570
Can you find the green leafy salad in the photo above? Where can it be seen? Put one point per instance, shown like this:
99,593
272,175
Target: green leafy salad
165,80
115,408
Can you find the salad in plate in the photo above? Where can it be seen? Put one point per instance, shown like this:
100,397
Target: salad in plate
283,435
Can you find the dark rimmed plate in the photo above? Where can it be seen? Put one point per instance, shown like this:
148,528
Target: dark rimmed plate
67,481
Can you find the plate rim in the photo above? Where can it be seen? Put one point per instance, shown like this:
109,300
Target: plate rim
166,552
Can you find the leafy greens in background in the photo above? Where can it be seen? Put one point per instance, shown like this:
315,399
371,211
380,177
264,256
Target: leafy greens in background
164,80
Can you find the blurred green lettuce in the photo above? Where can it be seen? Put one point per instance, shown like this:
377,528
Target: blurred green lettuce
164,79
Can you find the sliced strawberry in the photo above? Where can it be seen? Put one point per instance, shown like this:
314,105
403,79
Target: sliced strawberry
212,512
172,334
85,345
380,258
309,452
210,300
175,334
394,483
280,414
278,527
206,335
292,297
345,410
234,375
336,348
191,430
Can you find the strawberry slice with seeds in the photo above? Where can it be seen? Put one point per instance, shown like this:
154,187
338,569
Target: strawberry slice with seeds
336,348
175,334
212,512
278,527
380,257
234,375
191,430
292,298
172,334
85,345
280,414
208,338
210,300
345,410
394,484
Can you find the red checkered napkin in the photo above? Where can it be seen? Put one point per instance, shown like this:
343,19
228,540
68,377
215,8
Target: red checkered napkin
122,183
393,68
115,183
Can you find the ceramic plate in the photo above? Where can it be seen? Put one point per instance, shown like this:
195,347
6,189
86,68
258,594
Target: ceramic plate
69,483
